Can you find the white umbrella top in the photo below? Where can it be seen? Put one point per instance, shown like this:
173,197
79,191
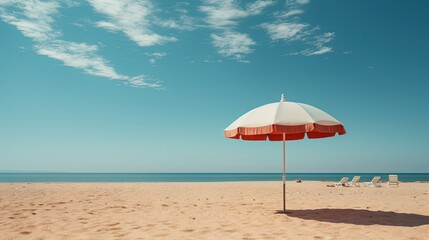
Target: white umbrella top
294,119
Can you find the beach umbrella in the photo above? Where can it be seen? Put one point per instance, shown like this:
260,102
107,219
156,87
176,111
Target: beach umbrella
284,121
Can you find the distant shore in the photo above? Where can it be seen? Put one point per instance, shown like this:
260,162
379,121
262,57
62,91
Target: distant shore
212,210
198,177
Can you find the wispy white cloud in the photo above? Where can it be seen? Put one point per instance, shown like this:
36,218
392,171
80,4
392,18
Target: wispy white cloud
233,44
142,81
290,13
71,3
223,15
211,61
22,48
257,7
35,20
178,18
84,56
324,38
312,52
319,45
286,31
154,56
244,61
317,51
184,23
79,55
293,29
130,17
296,3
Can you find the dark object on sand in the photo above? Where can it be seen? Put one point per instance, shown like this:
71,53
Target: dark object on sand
298,180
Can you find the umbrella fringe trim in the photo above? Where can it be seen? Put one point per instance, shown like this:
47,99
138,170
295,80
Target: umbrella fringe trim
275,132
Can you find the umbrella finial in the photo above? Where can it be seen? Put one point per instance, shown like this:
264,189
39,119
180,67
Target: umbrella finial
282,99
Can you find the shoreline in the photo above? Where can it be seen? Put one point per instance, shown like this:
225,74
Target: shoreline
261,181
199,177
235,181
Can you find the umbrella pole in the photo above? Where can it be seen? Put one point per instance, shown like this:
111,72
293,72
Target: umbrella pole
284,173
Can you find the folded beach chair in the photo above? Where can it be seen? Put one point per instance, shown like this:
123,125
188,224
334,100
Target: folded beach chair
342,182
393,180
355,181
375,182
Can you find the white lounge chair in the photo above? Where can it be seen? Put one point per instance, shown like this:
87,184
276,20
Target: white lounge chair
375,182
342,182
355,181
393,180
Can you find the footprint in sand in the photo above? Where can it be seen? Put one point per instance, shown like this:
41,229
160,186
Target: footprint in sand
113,224
121,235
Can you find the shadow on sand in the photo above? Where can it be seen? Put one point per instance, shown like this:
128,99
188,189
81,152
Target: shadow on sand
359,217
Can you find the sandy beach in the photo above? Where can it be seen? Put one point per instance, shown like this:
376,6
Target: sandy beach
228,210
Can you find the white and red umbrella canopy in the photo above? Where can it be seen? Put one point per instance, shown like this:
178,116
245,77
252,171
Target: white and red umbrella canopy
295,120
282,121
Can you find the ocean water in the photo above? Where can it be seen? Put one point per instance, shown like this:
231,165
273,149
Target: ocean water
198,177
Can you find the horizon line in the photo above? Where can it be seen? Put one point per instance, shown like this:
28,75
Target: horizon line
64,172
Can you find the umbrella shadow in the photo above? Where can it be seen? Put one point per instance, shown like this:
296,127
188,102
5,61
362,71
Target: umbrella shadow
360,217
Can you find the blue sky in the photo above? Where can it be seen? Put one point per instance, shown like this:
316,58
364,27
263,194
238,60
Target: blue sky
145,86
